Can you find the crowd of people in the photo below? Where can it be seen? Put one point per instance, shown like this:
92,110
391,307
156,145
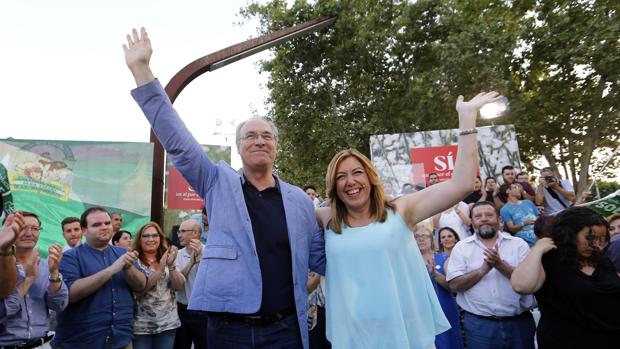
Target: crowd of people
442,267
105,292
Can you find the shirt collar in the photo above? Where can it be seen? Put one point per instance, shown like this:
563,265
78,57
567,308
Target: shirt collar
501,236
94,249
245,181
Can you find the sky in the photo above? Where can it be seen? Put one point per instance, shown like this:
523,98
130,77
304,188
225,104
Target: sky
64,75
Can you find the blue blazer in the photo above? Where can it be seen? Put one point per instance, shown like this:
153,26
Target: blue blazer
229,276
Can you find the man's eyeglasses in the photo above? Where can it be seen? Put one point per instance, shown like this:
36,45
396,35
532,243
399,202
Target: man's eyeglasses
421,236
183,231
252,136
33,229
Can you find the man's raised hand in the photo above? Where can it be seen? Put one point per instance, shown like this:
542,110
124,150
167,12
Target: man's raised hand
138,53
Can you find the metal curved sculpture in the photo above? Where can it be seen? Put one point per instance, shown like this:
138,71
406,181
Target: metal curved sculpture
212,62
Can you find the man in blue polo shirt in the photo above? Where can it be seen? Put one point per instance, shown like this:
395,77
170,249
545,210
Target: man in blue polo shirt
263,234
100,278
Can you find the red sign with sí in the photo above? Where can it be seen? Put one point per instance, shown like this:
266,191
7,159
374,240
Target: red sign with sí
181,196
439,160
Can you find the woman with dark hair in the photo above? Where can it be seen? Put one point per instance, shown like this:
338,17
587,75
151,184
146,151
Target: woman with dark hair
378,293
577,288
122,238
447,240
156,318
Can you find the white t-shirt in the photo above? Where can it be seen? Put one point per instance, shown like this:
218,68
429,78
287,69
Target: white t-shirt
451,219
183,259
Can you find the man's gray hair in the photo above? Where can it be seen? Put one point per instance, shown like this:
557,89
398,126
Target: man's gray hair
274,128
195,225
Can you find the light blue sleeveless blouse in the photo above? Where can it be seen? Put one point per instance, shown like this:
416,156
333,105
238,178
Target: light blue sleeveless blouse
378,291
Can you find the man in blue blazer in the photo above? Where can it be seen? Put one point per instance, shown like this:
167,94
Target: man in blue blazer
263,235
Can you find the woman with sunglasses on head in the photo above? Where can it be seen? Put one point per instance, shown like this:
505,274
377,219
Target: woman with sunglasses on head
576,286
378,293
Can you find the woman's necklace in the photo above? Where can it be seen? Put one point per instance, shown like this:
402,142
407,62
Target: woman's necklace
152,260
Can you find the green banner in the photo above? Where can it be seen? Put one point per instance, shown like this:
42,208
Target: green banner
607,205
58,179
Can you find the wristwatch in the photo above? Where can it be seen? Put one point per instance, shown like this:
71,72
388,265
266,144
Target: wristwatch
10,252
55,280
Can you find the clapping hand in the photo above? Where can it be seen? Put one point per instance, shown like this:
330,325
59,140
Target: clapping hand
492,257
13,227
54,256
430,267
125,261
31,267
171,255
195,250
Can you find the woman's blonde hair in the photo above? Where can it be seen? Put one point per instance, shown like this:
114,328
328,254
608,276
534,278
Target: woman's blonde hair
378,200
422,228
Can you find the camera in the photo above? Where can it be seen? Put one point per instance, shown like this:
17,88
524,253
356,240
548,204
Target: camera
549,179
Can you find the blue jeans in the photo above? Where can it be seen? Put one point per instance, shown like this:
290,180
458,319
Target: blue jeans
514,333
231,334
163,340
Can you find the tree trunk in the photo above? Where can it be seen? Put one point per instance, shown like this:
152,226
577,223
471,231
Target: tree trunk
563,160
549,157
571,159
584,163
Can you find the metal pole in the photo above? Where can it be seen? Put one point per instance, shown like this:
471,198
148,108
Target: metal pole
613,155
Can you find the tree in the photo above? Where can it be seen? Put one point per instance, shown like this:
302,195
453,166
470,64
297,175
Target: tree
397,66
567,78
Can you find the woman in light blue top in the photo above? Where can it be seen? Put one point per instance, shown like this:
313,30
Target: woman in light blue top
378,293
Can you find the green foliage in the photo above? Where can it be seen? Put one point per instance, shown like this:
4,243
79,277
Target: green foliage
569,83
606,188
398,66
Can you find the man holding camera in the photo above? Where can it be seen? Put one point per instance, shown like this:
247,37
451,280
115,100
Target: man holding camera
555,194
